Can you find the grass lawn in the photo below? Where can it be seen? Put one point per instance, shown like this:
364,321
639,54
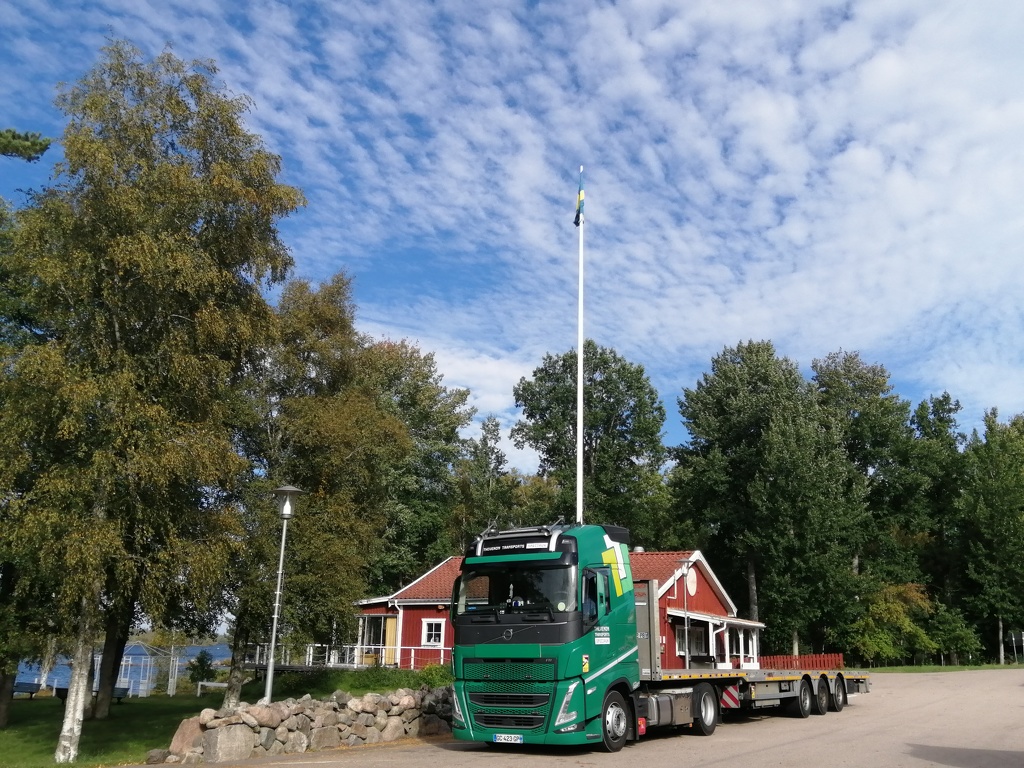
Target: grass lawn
138,725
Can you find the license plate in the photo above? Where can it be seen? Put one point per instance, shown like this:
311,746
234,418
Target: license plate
508,738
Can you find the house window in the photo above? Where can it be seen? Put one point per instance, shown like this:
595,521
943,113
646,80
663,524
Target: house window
698,639
433,632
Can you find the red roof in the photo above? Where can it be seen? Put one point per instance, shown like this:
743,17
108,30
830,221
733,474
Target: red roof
434,585
656,565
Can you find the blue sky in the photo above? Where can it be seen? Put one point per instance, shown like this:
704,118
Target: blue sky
827,175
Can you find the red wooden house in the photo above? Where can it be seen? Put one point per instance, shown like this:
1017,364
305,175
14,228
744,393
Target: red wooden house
410,628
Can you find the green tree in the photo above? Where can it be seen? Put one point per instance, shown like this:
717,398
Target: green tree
27,146
770,490
147,261
486,489
421,488
310,421
992,507
891,627
623,452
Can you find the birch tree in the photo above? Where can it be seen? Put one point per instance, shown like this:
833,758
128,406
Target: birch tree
145,263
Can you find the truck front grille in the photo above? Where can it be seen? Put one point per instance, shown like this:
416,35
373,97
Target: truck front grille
509,699
517,720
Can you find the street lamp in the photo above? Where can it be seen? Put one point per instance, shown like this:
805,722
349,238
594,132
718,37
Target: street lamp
686,610
286,497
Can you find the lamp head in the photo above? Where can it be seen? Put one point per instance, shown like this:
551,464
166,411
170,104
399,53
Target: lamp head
286,497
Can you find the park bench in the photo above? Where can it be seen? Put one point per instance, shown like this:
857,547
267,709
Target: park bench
120,692
207,684
30,688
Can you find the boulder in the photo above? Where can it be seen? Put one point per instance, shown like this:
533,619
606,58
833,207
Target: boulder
394,729
157,756
232,742
188,735
324,738
266,717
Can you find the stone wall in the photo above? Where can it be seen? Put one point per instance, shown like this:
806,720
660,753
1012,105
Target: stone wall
307,725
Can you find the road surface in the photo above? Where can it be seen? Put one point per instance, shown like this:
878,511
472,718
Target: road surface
972,719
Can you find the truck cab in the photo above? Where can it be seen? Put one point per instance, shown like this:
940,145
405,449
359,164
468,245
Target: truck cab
545,636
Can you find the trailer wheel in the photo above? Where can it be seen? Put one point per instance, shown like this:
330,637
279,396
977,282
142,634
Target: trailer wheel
705,709
839,697
801,705
821,697
614,721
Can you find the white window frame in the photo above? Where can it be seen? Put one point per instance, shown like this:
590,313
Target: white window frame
698,639
429,628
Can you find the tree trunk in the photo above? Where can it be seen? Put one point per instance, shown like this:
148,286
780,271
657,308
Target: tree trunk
79,689
752,587
233,693
796,643
6,694
117,628
1002,648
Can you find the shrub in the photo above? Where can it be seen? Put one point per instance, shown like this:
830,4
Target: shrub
436,676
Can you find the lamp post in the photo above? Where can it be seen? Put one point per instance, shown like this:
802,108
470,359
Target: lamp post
286,497
686,610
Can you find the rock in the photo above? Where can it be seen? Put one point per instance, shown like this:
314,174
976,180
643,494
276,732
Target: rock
433,725
249,720
207,715
157,756
324,738
266,717
373,736
355,705
281,733
223,722
302,724
297,743
267,737
342,697
410,714
394,729
353,741
187,734
369,704
231,742
381,720
367,719
192,758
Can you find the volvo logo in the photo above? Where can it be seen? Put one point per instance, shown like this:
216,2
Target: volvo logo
507,634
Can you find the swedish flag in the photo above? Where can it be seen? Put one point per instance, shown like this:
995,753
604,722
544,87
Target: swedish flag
579,201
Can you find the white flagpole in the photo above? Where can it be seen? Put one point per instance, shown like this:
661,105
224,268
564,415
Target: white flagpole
579,375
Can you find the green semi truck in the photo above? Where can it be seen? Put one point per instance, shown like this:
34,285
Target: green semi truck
555,644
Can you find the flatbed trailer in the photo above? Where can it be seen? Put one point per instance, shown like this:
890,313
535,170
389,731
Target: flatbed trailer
687,696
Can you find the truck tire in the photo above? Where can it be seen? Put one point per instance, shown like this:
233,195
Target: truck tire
821,697
839,697
614,721
705,709
800,706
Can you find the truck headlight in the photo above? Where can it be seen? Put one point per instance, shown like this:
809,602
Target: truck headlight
457,708
566,715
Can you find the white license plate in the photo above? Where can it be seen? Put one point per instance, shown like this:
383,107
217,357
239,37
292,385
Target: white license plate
508,738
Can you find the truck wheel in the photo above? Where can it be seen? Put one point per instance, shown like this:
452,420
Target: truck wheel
801,705
705,709
614,721
821,697
839,697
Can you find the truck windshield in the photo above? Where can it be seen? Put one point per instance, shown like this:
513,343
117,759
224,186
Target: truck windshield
517,589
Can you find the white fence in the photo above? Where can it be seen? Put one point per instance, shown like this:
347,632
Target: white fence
352,656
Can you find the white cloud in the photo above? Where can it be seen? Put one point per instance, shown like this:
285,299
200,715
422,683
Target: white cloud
824,174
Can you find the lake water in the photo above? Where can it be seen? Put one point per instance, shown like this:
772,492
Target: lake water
142,668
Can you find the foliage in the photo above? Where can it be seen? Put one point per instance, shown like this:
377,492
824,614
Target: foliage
622,443
201,667
436,675
27,146
770,491
992,504
142,270
891,627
